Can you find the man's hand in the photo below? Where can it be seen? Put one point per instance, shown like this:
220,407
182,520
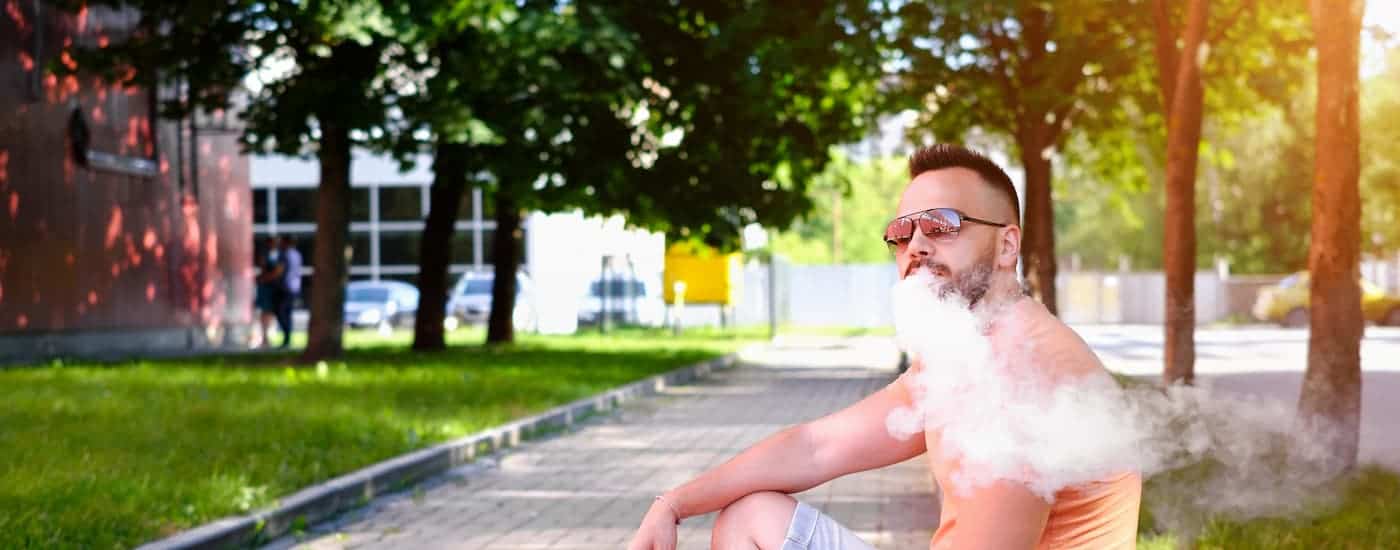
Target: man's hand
658,530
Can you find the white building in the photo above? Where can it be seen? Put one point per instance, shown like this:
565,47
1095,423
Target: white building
564,253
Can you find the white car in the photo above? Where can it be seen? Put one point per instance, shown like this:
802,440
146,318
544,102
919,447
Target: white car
626,300
383,304
470,299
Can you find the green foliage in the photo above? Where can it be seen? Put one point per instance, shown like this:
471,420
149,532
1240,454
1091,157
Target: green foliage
1109,201
754,94
105,456
1254,197
315,63
1254,192
166,46
1380,160
694,118
1026,71
865,192
531,90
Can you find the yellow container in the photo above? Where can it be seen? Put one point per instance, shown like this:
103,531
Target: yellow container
710,277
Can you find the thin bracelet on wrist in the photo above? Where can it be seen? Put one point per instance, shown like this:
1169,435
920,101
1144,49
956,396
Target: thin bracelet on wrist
674,511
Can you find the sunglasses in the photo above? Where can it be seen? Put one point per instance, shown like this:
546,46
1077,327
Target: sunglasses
935,223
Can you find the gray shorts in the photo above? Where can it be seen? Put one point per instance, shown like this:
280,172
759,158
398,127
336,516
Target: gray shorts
813,530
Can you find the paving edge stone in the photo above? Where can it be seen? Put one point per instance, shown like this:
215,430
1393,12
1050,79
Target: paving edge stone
318,502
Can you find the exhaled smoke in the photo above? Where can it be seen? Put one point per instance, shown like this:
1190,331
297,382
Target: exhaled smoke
1005,414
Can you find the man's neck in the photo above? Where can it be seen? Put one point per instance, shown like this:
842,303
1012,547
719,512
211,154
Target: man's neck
1005,291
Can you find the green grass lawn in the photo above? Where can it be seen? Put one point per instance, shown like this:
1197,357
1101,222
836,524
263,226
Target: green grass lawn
1367,517
113,455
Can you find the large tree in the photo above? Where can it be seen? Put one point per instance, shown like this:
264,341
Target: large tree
1183,97
754,96
319,68
695,118
1254,149
1331,396
502,94
1023,70
1186,39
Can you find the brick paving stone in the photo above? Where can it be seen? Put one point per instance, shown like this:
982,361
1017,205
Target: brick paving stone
588,489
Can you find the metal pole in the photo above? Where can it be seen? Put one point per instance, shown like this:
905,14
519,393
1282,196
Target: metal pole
772,296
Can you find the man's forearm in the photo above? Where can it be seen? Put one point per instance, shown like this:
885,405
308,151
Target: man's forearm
782,462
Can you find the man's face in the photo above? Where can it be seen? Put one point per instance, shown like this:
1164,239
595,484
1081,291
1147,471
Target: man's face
966,261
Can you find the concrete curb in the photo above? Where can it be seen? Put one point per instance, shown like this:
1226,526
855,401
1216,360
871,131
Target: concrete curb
318,502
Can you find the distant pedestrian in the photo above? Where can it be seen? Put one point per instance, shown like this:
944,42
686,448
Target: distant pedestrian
268,288
290,285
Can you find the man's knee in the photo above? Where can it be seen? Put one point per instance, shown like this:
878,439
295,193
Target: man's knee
758,520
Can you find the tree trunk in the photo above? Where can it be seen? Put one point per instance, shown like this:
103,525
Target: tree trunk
1184,115
1038,230
505,246
435,252
327,299
1330,402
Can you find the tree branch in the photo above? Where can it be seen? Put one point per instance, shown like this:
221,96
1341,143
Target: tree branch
999,43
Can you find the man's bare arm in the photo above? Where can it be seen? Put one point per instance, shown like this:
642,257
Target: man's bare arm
804,456
1004,515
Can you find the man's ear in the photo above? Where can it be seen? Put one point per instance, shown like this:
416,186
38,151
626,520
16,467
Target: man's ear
1010,246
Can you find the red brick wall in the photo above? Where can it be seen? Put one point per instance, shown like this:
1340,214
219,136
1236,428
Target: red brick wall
85,248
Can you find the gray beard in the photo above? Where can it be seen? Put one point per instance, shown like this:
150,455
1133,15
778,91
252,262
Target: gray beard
971,284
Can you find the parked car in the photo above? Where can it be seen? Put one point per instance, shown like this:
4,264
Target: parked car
469,301
1287,303
384,304
626,300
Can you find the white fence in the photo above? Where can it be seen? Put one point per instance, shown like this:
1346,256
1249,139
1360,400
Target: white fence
858,295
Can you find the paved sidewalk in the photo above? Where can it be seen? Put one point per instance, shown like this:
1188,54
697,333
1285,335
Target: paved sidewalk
589,489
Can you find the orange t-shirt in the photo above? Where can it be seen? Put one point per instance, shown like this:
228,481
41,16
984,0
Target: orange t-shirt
1098,515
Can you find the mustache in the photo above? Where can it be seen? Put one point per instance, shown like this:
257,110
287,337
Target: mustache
935,267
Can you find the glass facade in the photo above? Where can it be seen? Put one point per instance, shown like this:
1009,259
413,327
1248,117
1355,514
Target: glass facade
386,227
294,205
401,204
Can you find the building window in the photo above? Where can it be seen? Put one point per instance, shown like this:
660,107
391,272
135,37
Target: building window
260,206
399,247
359,205
359,248
296,205
462,247
401,203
